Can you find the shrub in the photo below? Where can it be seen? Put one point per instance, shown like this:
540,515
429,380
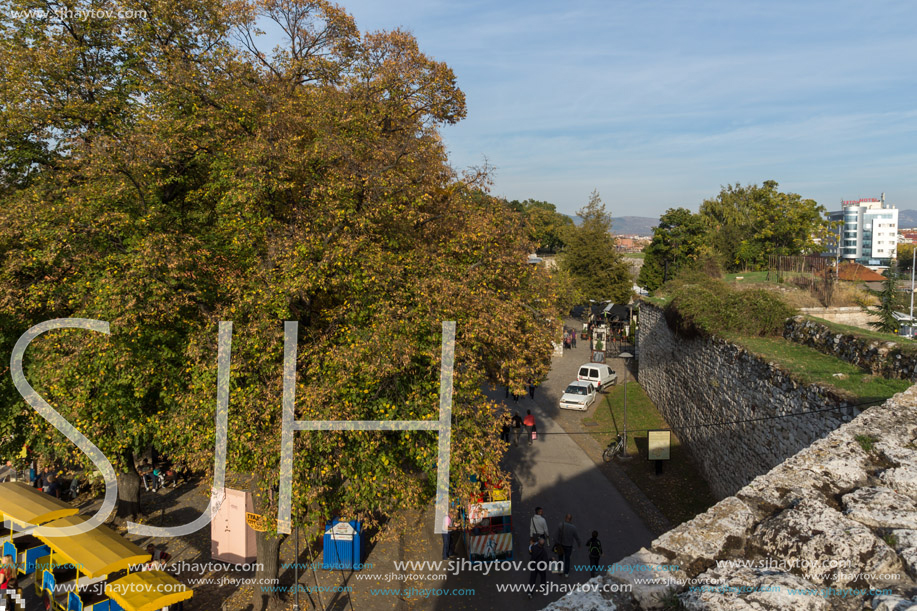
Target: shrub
712,307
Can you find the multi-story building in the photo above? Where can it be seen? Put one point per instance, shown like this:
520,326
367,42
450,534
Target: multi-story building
868,232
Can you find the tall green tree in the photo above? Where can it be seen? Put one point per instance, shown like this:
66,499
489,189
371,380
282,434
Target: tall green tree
546,226
590,257
749,223
679,239
889,302
176,179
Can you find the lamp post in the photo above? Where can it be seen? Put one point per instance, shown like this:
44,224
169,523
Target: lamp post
625,356
913,260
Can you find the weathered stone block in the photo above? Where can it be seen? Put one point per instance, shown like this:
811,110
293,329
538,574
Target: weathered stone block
748,589
817,539
881,508
697,544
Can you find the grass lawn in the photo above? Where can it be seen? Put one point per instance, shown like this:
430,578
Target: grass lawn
810,366
633,255
746,277
680,492
907,345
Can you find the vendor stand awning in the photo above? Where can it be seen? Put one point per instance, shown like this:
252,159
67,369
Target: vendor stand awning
24,505
94,553
147,591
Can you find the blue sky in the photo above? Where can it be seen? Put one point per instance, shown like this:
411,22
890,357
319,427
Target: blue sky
658,103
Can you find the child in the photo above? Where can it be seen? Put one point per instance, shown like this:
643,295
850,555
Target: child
594,547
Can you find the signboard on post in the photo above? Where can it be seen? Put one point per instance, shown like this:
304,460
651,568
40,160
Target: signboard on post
659,445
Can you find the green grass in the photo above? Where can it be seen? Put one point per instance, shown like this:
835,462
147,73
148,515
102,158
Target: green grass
906,345
810,366
659,301
680,492
633,255
747,277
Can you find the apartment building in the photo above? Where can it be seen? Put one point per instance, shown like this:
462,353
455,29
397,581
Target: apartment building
868,232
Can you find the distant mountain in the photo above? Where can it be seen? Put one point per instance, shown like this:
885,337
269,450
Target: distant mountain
627,225
907,219
633,225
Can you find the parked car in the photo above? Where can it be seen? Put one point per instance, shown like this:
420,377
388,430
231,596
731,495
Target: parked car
578,395
599,374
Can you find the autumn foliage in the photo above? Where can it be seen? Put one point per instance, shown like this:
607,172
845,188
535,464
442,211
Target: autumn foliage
167,173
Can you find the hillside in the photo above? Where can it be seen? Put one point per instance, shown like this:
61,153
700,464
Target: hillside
634,225
907,219
628,225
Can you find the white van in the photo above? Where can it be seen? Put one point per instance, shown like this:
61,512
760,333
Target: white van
599,374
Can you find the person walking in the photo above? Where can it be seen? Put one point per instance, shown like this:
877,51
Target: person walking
517,427
573,337
529,422
447,536
566,535
531,388
538,565
594,547
538,526
504,428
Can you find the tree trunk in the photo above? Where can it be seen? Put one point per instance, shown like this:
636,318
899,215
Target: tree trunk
128,490
265,596
268,549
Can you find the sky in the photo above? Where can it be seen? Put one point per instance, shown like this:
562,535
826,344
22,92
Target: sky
657,104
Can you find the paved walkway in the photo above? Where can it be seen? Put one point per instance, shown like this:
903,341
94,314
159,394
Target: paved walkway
557,474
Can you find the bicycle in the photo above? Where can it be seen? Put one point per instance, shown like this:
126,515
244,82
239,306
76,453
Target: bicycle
614,448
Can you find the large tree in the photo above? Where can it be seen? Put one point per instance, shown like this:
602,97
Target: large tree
591,259
166,174
546,226
679,239
749,223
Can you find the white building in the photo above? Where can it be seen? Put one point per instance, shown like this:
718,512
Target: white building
868,233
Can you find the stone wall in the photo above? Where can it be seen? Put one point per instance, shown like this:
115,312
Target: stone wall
853,316
833,527
886,359
696,383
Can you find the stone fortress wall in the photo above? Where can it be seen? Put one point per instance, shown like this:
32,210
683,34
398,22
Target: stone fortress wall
696,383
886,359
833,526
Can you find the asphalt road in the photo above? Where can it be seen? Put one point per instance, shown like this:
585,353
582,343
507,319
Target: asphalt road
557,474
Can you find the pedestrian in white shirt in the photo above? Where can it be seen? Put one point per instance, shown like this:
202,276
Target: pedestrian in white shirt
539,526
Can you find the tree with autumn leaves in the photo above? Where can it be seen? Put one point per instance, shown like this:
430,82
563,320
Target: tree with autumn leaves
166,174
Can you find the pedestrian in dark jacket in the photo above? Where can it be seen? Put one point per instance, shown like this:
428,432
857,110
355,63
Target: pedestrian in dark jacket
594,547
538,565
566,535
517,427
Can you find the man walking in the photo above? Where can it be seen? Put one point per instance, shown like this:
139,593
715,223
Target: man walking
566,535
517,427
538,565
538,527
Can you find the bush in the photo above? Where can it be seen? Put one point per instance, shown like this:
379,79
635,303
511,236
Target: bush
712,307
